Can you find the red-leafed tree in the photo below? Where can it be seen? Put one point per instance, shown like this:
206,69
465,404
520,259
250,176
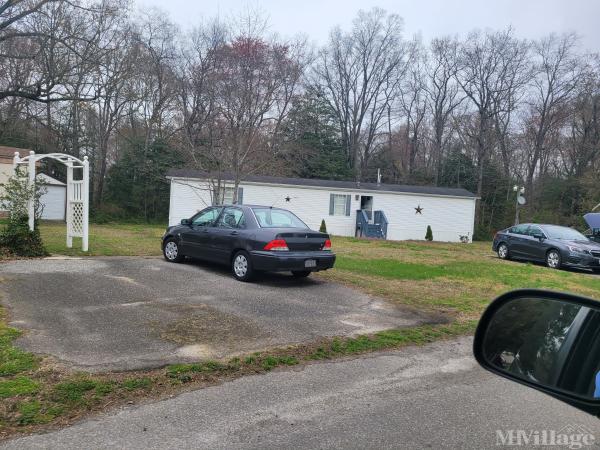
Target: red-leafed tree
236,91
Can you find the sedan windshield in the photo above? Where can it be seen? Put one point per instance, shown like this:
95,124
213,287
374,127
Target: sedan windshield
564,233
277,218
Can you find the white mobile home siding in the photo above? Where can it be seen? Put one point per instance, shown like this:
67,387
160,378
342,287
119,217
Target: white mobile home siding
449,217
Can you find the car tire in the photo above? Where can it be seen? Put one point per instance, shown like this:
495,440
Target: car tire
503,251
300,273
553,259
241,266
171,251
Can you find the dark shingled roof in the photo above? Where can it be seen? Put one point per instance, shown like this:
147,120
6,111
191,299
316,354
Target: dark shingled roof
333,184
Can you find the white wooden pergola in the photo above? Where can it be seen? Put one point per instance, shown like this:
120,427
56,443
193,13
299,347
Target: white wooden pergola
78,193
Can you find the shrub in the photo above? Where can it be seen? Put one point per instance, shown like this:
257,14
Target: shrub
108,212
323,227
429,234
17,238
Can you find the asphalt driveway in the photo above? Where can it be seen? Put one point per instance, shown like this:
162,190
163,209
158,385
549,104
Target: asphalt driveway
121,313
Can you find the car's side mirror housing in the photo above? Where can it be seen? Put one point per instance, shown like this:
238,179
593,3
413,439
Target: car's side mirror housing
545,340
186,222
539,236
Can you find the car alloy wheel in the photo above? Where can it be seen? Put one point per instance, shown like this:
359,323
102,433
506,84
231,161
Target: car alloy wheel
171,251
553,259
503,251
241,266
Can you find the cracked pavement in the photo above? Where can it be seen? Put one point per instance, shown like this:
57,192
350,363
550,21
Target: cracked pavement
124,313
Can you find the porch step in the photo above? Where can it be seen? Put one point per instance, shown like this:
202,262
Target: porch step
376,229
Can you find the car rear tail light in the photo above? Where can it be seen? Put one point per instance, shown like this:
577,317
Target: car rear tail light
277,245
327,245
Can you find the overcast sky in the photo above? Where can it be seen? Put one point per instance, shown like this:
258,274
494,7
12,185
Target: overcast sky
430,18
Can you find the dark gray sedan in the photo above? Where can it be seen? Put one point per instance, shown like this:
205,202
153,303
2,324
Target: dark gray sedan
250,239
552,244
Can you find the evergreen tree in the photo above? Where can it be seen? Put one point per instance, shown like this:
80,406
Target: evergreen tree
429,234
313,145
323,227
137,187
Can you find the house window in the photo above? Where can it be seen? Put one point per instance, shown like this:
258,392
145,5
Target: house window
339,205
226,196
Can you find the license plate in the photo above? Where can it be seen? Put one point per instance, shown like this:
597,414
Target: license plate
310,263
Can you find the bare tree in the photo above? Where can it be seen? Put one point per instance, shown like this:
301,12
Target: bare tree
255,81
155,81
557,73
581,147
492,66
44,45
444,95
414,105
358,73
201,132
114,76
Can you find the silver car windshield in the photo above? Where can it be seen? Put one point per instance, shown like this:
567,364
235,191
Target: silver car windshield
277,218
564,233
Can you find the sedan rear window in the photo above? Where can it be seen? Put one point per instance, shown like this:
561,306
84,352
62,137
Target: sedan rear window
277,218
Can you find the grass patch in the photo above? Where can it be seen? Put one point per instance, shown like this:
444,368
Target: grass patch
390,268
72,391
104,388
29,412
390,339
270,362
455,280
207,367
112,239
18,386
34,412
137,383
13,360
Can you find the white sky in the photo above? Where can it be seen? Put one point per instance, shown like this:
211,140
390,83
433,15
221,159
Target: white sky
430,18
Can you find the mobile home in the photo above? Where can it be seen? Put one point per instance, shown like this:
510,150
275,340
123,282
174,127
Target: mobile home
387,211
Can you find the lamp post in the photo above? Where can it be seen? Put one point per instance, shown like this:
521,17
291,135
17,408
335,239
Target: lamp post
520,190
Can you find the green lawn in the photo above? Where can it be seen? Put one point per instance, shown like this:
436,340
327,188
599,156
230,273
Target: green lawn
114,239
456,280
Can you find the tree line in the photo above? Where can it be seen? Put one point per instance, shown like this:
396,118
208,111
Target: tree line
139,96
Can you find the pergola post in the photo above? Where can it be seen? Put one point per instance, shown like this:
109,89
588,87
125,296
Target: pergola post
86,203
69,215
16,161
31,202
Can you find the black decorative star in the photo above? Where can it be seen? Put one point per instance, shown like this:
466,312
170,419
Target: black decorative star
287,199
419,210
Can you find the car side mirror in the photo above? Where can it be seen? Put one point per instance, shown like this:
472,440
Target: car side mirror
539,236
186,222
545,340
